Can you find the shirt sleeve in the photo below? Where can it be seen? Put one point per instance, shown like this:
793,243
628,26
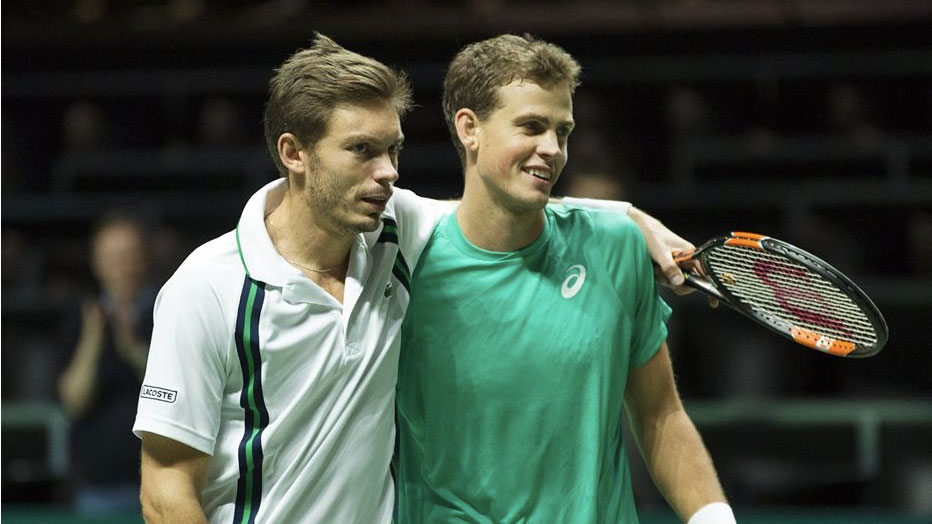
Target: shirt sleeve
652,312
187,366
628,260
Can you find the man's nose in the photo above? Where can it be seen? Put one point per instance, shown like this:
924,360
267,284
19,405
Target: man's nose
549,145
386,171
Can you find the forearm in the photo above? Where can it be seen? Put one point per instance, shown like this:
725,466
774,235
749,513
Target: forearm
169,497
135,355
173,476
169,494
680,464
77,384
182,510
131,348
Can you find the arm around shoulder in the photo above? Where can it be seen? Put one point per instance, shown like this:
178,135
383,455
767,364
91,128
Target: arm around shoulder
416,218
661,241
173,476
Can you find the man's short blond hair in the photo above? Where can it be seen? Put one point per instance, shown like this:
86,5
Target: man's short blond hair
480,69
308,85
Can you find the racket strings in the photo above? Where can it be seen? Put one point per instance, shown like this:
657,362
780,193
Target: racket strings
788,294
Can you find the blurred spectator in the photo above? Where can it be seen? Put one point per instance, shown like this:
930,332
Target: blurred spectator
761,114
486,7
688,114
28,358
595,184
12,174
602,158
927,126
835,240
596,171
268,12
89,11
221,123
852,118
84,127
160,15
919,231
185,11
590,108
167,249
22,268
107,343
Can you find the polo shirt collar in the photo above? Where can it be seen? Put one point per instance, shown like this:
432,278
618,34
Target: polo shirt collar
256,250
264,263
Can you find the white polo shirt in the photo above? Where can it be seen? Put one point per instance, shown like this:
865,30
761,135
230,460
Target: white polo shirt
289,391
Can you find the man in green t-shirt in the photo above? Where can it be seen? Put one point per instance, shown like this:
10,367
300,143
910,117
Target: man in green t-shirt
530,328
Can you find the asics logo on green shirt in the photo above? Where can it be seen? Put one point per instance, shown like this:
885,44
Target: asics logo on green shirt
575,280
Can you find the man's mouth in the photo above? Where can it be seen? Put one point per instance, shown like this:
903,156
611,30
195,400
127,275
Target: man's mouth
377,197
376,200
536,172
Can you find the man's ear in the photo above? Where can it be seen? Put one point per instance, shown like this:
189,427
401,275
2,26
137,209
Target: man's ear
467,128
291,153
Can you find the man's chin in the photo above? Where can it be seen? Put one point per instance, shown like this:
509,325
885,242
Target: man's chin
536,202
368,223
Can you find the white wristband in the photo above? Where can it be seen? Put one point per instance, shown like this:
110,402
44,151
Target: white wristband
592,203
714,513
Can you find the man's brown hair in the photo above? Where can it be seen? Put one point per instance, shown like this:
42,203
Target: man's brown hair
312,81
480,69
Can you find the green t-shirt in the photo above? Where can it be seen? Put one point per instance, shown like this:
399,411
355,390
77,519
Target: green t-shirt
513,371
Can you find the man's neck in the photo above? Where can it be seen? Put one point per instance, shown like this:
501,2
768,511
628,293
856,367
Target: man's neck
489,224
304,240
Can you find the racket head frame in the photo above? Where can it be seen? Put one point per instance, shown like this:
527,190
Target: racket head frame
709,282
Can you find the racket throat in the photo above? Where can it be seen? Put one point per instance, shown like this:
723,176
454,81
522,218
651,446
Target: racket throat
705,286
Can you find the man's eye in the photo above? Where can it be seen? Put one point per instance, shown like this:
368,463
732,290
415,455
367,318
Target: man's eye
532,127
395,150
360,149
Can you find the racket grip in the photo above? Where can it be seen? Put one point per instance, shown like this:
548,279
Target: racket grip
682,256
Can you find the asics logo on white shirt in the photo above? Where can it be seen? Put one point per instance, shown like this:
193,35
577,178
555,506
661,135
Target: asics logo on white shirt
575,280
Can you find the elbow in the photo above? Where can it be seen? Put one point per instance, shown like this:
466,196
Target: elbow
149,515
152,508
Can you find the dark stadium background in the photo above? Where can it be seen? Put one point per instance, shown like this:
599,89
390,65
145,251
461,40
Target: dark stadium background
807,120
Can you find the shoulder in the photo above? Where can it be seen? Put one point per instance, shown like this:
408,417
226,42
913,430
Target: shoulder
408,206
415,217
212,270
602,224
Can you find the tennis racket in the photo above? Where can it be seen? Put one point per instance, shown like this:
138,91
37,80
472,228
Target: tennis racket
789,291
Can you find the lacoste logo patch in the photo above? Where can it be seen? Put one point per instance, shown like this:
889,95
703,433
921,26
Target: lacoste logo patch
160,394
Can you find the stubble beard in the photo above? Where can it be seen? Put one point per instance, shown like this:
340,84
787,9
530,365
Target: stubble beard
334,209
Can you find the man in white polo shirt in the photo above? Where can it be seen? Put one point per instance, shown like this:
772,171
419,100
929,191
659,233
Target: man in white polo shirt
270,387
269,392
